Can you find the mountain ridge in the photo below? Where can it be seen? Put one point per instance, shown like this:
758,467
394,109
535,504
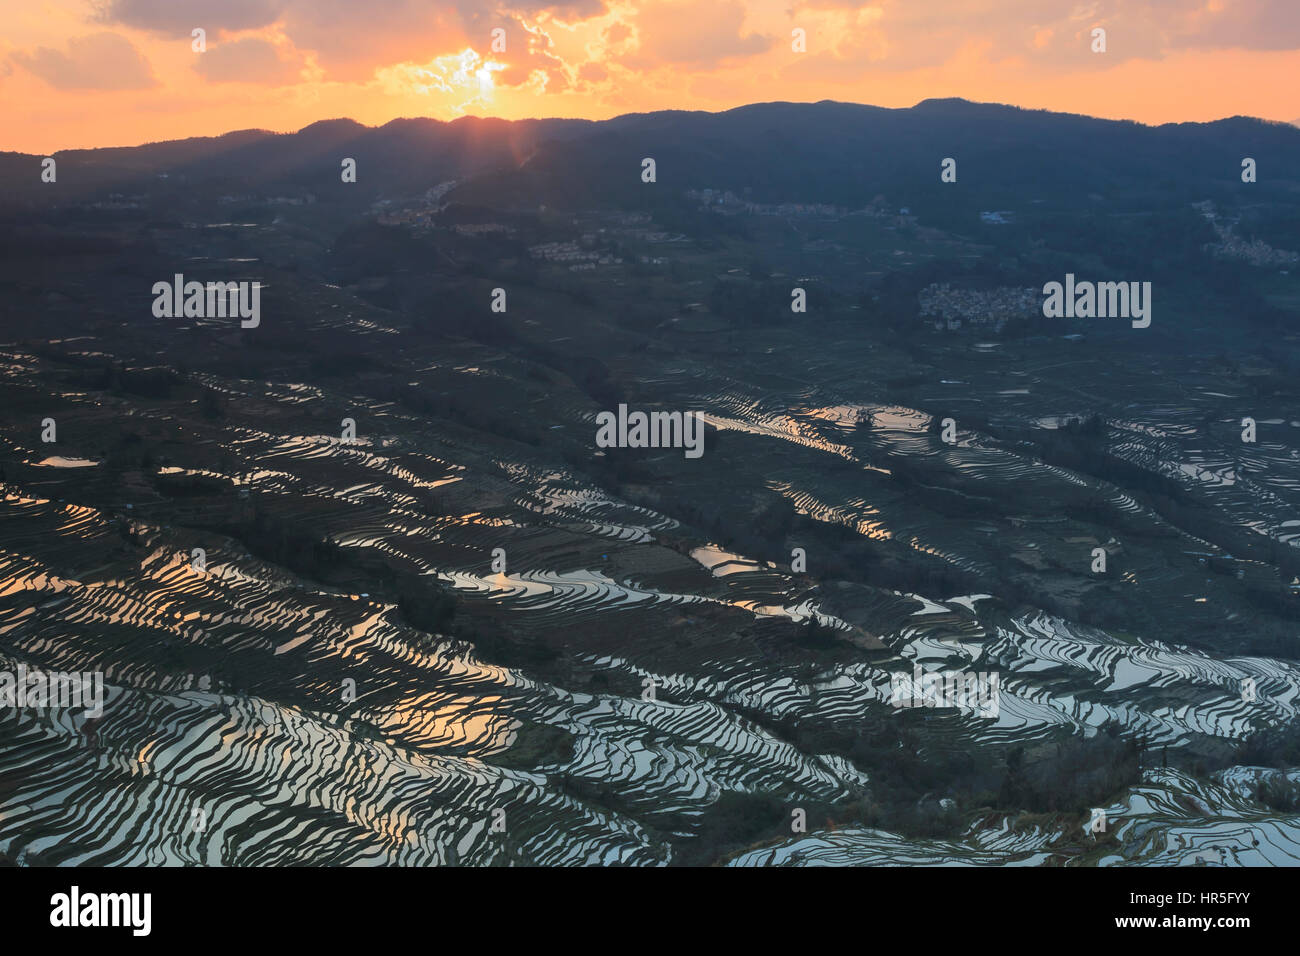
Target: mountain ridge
828,151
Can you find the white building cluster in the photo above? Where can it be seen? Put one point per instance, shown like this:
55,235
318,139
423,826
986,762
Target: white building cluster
945,305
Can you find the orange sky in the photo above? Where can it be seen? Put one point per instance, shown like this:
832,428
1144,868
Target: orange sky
77,73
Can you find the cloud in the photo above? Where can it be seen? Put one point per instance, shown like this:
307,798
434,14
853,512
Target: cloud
101,61
177,18
700,35
905,35
458,81
352,38
529,57
1247,24
249,60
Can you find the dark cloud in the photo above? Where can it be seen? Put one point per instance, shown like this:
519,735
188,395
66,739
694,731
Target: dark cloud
101,61
1249,24
911,35
350,37
179,17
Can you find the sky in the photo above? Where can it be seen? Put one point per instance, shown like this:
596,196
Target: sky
85,73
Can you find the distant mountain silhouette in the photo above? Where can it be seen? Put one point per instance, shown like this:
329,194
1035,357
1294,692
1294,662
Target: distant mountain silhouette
830,152
845,153
404,155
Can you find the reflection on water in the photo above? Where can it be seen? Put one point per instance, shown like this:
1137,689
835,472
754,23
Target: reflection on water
58,461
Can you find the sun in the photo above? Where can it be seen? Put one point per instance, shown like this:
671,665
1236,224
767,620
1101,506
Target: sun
471,71
467,78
